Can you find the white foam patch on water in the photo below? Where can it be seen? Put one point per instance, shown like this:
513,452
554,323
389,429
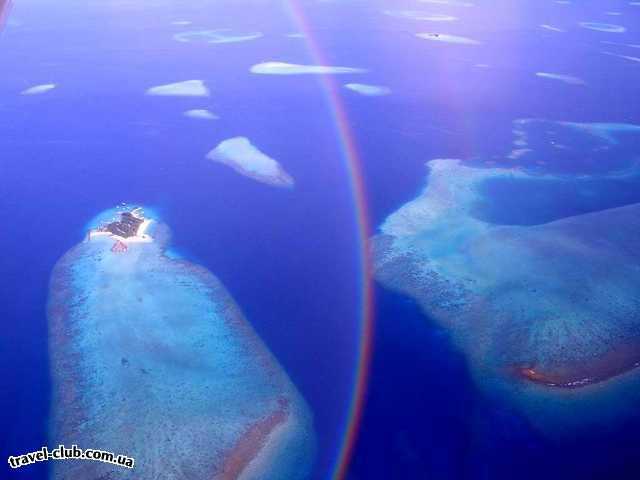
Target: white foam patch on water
626,57
181,22
619,44
188,88
241,155
446,38
38,89
452,3
368,90
518,153
604,130
603,27
551,28
215,36
295,35
283,68
201,114
569,79
419,15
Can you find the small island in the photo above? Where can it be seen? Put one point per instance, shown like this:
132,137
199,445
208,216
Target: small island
128,226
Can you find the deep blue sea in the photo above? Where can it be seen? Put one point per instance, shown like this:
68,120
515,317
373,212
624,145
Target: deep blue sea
290,257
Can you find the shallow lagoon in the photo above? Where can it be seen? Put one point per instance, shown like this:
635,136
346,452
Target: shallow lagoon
145,347
532,273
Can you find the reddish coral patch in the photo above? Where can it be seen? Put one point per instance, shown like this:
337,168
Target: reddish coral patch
119,247
251,442
622,359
